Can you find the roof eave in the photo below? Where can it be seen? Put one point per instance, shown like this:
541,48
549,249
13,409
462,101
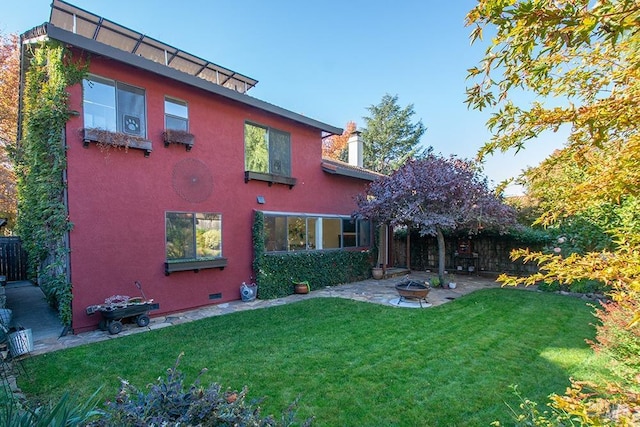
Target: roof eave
351,173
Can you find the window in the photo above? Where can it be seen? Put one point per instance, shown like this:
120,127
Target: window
313,232
267,150
114,106
176,115
193,236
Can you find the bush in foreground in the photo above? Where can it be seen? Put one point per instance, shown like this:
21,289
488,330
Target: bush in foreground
168,403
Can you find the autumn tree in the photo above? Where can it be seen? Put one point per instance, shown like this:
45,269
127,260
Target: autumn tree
9,75
579,58
587,54
390,136
336,146
435,195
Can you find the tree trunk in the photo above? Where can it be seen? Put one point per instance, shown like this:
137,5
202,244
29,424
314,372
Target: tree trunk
408,249
441,252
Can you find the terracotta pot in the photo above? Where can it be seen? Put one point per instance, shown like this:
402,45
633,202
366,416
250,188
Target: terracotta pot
377,273
301,288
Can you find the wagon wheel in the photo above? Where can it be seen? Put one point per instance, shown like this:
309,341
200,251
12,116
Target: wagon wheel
142,320
114,327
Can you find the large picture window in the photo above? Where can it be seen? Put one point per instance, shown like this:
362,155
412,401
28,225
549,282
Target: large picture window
114,106
193,236
267,150
290,232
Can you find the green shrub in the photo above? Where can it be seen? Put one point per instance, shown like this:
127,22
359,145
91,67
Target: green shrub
581,286
320,268
168,403
66,412
619,338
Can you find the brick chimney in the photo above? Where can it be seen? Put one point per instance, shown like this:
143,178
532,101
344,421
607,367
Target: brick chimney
356,147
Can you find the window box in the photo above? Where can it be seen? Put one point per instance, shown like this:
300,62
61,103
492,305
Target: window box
270,178
194,265
106,138
172,136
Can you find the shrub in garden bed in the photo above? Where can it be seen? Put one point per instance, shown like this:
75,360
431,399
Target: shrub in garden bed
169,403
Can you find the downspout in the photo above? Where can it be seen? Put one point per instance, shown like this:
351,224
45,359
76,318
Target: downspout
67,235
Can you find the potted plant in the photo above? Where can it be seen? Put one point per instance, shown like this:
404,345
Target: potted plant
434,282
106,139
377,272
301,287
452,281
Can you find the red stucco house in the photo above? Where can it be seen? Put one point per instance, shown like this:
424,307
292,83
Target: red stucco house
174,208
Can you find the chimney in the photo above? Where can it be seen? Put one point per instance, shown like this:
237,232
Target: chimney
356,147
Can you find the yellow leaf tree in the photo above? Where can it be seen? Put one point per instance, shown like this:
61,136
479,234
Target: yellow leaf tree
9,75
580,59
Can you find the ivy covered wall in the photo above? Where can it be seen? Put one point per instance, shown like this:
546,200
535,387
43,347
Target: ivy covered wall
275,273
40,162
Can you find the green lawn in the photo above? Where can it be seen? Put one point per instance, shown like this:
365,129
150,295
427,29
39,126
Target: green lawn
355,363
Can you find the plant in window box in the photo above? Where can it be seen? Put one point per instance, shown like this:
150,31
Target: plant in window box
106,139
174,136
301,287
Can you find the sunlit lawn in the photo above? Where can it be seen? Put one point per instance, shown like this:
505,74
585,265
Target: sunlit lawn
355,363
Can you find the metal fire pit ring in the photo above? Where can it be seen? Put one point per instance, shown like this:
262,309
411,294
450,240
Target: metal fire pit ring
412,290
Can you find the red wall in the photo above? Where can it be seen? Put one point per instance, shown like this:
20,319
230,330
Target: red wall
117,199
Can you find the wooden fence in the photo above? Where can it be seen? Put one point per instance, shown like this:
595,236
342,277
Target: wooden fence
488,254
13,259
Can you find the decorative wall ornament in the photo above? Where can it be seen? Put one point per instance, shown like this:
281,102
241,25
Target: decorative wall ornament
192,180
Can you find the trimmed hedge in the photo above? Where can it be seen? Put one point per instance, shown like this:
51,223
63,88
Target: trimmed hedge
277,272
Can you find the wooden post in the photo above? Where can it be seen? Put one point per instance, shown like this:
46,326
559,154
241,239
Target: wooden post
408,249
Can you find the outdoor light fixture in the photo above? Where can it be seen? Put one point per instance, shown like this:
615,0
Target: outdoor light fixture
261,200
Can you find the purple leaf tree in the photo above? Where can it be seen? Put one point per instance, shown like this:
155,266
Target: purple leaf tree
435,194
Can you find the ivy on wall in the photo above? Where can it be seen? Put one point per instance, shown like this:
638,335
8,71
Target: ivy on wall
40,161
275,273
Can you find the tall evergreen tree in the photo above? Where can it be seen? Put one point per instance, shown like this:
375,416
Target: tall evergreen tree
390,136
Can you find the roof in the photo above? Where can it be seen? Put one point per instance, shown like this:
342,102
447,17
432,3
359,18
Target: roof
79,21
338,167
77,27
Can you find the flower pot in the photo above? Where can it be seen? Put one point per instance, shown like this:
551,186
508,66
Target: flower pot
21,342
301,288
377,273
452,285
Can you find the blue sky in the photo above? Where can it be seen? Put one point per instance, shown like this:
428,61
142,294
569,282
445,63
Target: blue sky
329,59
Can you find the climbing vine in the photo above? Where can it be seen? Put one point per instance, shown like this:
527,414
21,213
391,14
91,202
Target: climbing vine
40,161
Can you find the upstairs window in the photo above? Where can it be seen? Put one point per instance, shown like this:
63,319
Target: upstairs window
114,106
176,115
267,150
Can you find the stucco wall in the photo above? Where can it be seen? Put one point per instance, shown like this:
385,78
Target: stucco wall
118,199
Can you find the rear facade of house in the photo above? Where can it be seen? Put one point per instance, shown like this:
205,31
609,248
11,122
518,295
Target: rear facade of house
177,214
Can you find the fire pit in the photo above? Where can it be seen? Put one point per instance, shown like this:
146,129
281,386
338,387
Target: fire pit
410,289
